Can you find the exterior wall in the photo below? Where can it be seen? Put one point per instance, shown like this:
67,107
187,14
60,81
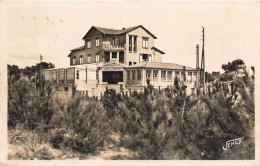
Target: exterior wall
92,34
61,92
109,38
134,56
157,57
77,54
159,82
84,79
92,51
135,81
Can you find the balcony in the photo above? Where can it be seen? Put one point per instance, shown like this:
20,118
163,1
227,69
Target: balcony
110,47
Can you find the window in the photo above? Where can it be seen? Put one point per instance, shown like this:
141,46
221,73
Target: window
97,42
113,41
128,74
89,43
135,44
155,74
77,74
195,73
54,75
145,42
57,89
133,74
169,75
163,75
177,74
61,74
89,58
130,63
138,74
189,77
145,57
81,59
149,58
148,73
134,63
114,55
97,57
66,88
130,43
74,60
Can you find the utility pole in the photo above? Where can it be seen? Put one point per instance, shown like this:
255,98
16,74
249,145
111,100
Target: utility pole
203,58
197,65
197,57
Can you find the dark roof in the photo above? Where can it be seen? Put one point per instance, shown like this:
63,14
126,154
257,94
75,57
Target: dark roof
156,49
76,49
107,31
159,65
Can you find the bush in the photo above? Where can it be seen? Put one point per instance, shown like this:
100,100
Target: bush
85,126
27,106
147,124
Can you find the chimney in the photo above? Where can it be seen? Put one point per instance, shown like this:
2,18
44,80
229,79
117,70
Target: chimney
123,28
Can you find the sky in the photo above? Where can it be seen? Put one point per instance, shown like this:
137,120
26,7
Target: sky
52,29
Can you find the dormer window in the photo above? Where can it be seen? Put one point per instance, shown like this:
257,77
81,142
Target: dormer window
88,43
145,42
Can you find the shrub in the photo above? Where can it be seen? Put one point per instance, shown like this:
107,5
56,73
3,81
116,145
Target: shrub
27,106
85,127
147,124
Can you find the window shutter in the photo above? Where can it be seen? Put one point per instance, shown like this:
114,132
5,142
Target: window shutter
150,58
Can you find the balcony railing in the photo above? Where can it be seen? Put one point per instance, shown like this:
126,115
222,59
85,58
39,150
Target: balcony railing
110,47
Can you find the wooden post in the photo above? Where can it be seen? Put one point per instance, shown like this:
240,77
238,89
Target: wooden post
197,66
203,59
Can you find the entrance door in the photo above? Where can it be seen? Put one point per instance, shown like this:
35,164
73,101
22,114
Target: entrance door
112,77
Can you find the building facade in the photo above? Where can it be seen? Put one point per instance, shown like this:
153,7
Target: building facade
121,60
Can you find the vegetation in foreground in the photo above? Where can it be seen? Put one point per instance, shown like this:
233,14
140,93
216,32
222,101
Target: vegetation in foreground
154,124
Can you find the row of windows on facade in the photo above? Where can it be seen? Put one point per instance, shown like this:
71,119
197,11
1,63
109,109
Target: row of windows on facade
133,43
63,74
60,74
155,74
88,59
97,42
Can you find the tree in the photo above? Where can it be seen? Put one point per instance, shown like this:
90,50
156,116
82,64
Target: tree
13,72
30,71
233,66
